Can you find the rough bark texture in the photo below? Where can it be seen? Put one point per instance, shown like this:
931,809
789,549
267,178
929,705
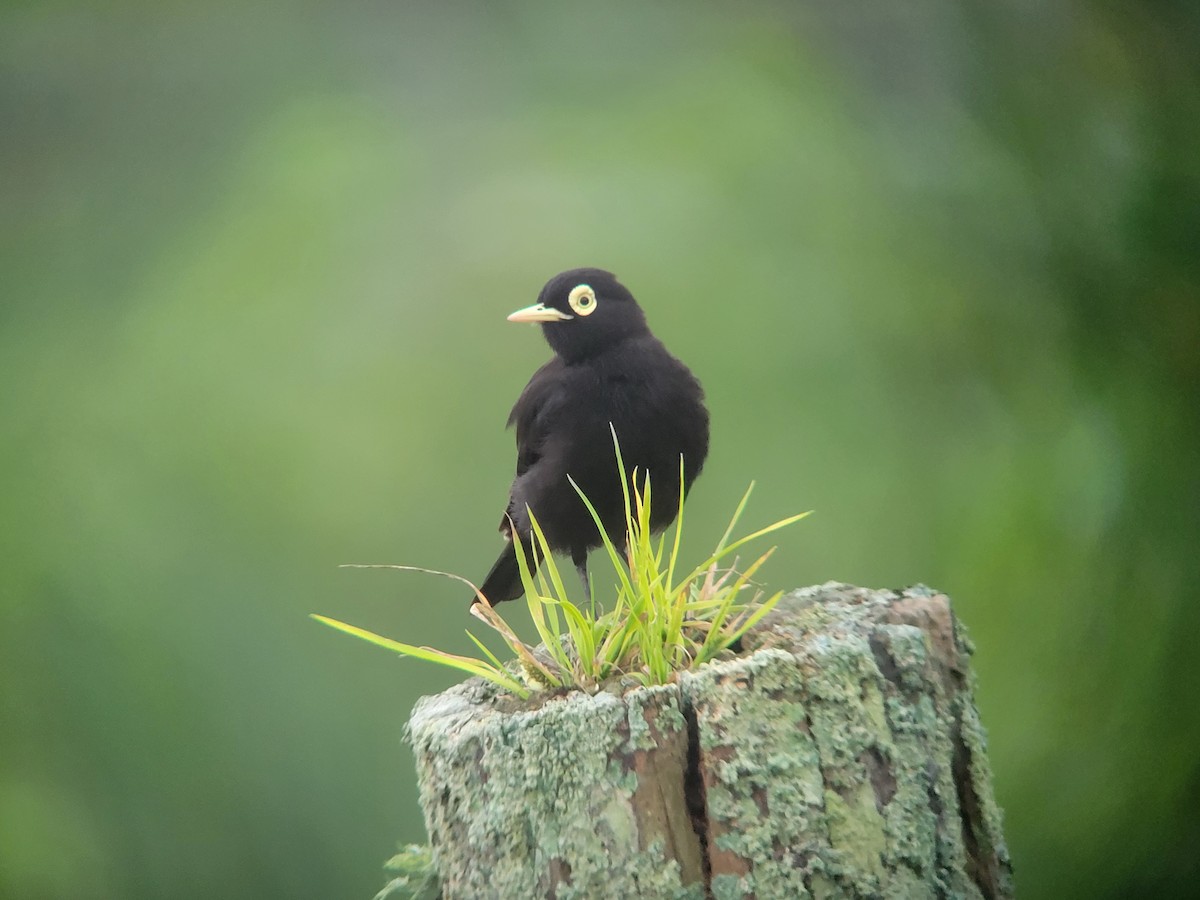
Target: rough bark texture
840,755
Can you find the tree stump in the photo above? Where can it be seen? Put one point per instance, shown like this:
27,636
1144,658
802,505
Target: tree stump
839,755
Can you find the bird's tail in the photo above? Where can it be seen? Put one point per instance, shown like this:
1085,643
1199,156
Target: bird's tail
503,582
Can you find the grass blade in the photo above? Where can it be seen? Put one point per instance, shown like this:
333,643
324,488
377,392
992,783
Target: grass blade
466,664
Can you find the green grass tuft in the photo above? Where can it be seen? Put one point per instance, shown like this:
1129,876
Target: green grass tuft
658,625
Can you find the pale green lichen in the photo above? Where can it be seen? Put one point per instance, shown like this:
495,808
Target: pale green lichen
856,829
534,803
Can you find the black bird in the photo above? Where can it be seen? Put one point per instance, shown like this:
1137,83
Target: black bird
607,368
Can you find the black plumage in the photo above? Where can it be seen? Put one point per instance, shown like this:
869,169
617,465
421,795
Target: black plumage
607,368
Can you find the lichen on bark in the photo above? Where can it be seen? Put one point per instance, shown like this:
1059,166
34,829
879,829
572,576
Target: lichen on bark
840,755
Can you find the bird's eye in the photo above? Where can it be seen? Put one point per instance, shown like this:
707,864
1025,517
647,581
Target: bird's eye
582,299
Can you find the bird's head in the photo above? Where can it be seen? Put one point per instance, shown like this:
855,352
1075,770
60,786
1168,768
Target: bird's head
584,312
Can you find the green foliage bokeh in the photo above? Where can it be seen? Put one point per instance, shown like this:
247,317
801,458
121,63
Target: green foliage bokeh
936,266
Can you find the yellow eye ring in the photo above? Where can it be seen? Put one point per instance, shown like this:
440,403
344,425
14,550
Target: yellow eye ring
582,299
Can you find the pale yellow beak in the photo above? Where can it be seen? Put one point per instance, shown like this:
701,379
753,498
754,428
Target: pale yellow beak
539,312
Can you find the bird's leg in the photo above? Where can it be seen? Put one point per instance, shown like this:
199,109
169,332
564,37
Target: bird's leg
587,584
580,559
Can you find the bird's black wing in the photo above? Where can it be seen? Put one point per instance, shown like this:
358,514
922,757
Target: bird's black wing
533,410
533,415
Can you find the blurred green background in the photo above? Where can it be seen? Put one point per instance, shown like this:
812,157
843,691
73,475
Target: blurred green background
936,265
